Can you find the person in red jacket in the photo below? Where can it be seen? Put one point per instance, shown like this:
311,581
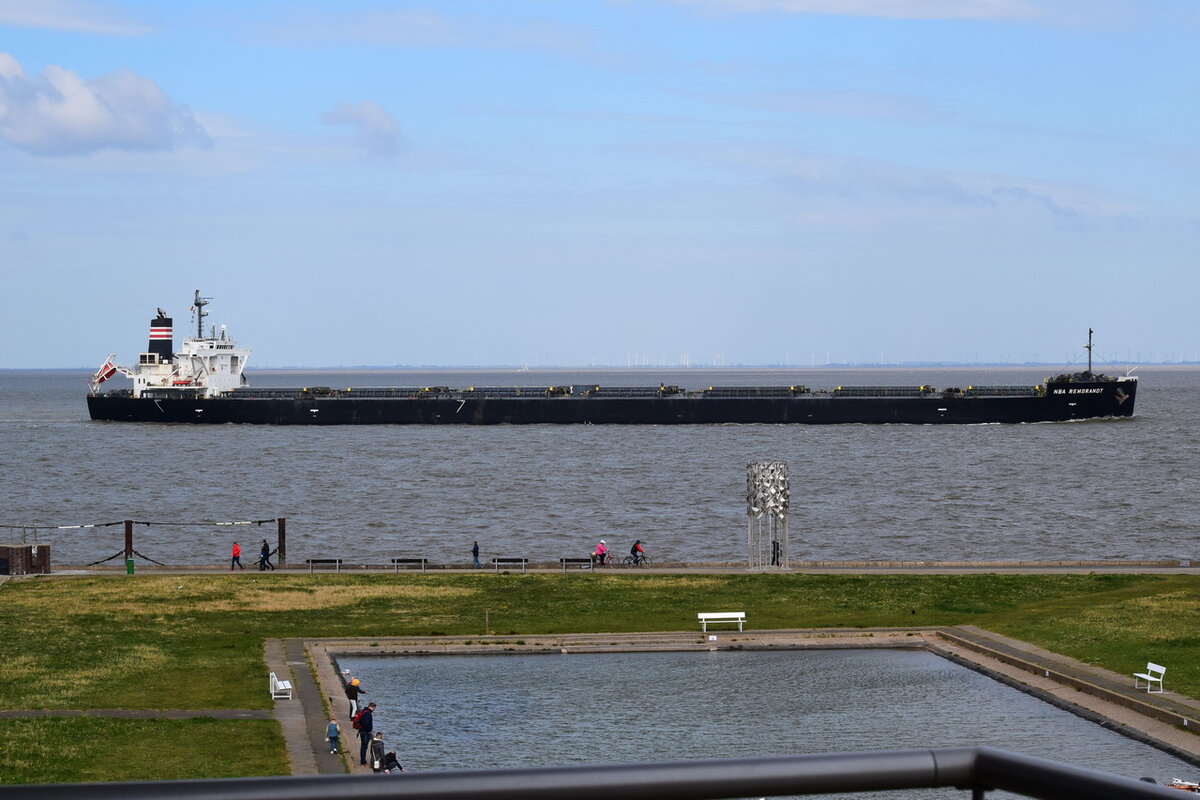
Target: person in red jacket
237,558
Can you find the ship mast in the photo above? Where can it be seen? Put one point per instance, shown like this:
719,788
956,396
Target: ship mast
199,303
1089,349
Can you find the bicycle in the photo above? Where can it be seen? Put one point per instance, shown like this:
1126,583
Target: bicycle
643,561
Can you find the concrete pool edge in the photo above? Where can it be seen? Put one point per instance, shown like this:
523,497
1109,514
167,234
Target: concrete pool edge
1169,722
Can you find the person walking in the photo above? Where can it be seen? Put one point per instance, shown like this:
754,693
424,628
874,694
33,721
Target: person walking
365,726
475,554
353,690
333,734
377,753
264,557
236,560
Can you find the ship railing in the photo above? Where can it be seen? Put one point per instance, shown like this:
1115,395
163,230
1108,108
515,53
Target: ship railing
396,391
246,393
755,391
662,390
1002,391
517,391
968,769
883,391
1081,377
172,393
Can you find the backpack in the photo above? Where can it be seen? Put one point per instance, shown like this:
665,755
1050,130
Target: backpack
356,721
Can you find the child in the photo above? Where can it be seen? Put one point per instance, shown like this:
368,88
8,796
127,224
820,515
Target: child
333,734
391,764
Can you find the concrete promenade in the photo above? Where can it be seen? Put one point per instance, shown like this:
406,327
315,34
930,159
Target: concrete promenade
868,567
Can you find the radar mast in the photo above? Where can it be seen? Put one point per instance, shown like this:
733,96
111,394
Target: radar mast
198,304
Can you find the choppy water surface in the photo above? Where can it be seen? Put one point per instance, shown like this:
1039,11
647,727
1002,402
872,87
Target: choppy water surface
1097,489
468,712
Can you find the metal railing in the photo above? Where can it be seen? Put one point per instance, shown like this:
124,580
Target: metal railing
974,769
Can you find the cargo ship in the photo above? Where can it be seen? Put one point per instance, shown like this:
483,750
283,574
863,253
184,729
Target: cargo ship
204,382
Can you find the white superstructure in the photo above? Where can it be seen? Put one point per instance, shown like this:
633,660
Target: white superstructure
204,366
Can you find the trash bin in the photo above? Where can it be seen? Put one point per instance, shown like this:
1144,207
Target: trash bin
129,566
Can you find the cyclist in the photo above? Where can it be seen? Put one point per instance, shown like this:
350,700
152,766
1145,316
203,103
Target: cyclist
637,552
601,553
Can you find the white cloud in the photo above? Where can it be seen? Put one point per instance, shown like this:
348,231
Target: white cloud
69,15
60,113
377,131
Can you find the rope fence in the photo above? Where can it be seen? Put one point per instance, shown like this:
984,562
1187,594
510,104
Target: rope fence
135,522
36,535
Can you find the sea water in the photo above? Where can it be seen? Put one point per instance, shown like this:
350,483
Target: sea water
1112,489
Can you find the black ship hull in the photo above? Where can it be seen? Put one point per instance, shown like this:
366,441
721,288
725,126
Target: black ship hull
1059,402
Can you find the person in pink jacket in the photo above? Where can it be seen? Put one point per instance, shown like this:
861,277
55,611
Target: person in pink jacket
601,553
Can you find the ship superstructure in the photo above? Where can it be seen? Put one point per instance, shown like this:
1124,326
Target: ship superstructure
204,366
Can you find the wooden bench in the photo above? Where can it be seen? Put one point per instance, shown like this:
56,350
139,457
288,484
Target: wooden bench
711,617
336,563
511,562
582,563
1152,676
280,690
409,562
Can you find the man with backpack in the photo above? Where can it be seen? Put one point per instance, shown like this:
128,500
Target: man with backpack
364,723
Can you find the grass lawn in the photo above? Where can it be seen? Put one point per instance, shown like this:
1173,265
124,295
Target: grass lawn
195,641
82,749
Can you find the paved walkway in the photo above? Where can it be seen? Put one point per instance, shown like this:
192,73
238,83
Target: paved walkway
303,718
1168,721
1060,567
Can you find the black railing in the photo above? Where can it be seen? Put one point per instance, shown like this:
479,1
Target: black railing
974,769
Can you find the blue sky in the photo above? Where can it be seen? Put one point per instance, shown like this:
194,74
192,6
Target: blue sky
587,182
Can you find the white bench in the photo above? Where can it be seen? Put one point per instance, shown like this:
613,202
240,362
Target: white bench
280,690
709,617
1152,676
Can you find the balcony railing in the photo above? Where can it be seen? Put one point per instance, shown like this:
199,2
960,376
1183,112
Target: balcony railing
973,769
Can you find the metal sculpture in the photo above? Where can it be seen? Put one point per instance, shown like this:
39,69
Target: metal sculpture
767,493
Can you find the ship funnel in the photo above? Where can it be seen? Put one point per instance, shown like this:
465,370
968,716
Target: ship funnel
162,337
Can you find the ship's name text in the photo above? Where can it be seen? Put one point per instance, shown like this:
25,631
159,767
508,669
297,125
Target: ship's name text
1097,390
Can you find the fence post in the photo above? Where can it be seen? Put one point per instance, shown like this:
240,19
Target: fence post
281,543
128,547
